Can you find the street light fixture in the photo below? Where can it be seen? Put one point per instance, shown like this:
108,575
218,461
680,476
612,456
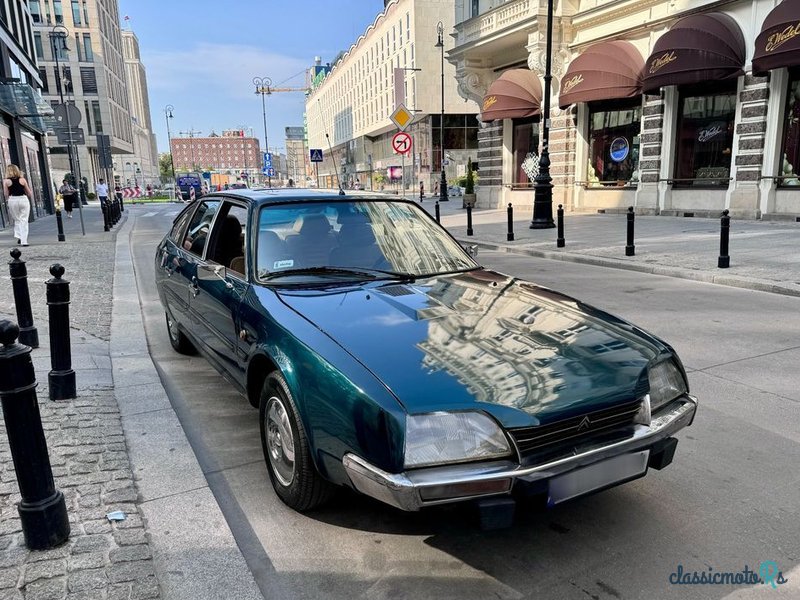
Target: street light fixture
167,116
262,87
543,189
443,183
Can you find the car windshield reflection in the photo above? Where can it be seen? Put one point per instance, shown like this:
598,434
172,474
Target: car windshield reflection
354,240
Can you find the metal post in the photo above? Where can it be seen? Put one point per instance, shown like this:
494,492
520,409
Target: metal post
167,116
630,249
421,192
724,260
42,510
61,379
443,183
438,216
28,334
469,220
543,191
262,87
60,226
510,234
560,241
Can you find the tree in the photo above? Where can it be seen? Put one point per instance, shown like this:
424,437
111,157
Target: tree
165,166
469,187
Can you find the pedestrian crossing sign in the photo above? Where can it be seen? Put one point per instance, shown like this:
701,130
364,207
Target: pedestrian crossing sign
315,154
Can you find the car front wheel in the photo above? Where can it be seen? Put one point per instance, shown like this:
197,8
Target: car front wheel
291,469
177,339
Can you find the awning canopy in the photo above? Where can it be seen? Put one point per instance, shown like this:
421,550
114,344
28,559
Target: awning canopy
604,71
517,93
778,44
702,47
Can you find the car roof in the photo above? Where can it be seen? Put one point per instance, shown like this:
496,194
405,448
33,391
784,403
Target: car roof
264,196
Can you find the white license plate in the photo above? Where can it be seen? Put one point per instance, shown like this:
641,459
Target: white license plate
597,476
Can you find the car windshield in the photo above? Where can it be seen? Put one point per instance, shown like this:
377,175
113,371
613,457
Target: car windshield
354,240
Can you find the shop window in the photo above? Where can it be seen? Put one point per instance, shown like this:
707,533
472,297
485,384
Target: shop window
705,137
614,143
525,148
789,166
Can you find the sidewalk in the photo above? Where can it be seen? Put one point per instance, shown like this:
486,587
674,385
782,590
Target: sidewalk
117,447
764,255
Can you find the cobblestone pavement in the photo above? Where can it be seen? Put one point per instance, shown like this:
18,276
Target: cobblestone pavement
102,560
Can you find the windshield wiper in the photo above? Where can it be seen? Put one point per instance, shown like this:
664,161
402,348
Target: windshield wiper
366,273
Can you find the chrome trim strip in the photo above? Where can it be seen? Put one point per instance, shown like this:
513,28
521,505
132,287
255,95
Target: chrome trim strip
402,489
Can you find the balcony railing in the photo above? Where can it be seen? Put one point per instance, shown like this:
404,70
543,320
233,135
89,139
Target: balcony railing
509,13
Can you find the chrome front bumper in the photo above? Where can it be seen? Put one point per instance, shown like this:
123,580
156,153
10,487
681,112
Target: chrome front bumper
406,490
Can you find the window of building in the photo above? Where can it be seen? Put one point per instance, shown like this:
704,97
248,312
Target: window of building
614,129
705,136
43,77
37,44
98,118
57,12
36,10
88,80
476,7
64,80
88,54
85,14
789,165
76,13
524,144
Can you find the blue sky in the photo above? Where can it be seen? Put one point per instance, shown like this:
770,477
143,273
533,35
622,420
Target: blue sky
203,60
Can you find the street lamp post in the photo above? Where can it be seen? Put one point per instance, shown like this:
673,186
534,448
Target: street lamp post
262,87
443,183
167,116
543,190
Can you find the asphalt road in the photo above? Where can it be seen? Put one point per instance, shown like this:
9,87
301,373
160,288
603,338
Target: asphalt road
730,499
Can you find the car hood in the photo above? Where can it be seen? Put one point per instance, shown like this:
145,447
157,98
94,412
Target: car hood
484,340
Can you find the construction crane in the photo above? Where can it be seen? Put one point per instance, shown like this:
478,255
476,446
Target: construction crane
269,90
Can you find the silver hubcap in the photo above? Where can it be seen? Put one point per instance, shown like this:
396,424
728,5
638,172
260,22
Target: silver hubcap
280,443
172,326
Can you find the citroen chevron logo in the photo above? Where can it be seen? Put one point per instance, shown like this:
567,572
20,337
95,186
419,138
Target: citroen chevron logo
584,424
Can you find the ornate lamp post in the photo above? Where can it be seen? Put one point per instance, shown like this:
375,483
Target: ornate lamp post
262,87
543,190
443,183
167,116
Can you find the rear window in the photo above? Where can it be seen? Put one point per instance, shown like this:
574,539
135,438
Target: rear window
179,225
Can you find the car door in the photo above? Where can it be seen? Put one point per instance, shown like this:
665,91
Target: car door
220,285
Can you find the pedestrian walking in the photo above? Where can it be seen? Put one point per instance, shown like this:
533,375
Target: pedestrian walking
18,197
70,195
101,189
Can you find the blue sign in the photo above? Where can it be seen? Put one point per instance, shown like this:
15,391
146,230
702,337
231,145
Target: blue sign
315,154
267,160
619,149
270,172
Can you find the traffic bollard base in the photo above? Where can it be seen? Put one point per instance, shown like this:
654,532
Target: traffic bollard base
44,524
630,250
29,336
560,243
62,385
723,262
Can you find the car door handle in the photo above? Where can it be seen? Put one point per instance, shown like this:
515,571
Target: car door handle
195,289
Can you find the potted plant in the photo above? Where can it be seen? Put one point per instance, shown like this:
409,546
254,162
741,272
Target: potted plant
469,187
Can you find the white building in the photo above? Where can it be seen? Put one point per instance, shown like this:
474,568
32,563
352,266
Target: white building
353,103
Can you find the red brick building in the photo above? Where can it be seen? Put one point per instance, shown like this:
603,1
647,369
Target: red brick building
229,151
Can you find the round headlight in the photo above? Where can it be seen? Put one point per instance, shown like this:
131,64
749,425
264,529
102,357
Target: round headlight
444,437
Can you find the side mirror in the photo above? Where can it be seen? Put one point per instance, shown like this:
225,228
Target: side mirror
472,250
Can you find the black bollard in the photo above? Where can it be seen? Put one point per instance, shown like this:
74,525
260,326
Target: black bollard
438,217
61,378
42,510
116,211
60,226
104,209
469,219
630,249
560,241
510,234
28,334
421,192
724,260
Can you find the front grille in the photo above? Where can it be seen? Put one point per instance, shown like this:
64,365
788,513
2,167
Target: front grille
541,436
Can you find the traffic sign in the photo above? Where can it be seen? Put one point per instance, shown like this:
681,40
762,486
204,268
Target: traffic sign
270,172
315,154
67,114
267,160
401,142
66,136
401,117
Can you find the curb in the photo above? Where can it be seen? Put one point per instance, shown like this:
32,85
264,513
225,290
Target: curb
749,283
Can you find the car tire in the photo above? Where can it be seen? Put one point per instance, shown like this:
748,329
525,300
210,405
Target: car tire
177,339
291,469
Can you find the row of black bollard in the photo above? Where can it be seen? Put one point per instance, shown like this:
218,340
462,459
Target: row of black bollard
28,334
560,241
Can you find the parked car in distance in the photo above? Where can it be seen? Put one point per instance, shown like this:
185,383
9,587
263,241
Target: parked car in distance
384,358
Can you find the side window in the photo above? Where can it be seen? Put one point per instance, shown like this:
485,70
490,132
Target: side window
228,240
179,227
199,227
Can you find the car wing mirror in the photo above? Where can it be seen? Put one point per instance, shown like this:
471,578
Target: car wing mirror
214,273
472,250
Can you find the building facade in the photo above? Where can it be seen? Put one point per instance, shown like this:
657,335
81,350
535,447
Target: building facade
678,109
89,72
394,61
232,151
22,139
297,155
140,167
